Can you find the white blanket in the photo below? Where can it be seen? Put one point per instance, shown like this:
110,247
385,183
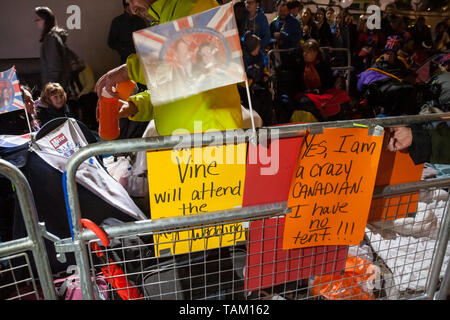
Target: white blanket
407,245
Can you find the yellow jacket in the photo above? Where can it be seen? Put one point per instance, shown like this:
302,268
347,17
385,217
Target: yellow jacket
219,108
87,80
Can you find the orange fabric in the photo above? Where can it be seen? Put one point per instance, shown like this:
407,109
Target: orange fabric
311,77
346,286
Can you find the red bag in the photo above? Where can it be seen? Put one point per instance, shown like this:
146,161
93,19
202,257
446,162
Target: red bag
329,103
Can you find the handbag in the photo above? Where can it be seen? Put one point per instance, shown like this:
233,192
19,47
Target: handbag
69,288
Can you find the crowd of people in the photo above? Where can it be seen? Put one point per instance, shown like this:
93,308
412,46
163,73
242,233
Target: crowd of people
382,64
289,62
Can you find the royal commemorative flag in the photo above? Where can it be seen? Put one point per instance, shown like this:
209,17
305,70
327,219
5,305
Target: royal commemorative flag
10,94
191,55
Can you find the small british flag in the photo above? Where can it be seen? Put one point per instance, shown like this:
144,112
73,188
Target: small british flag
9,141
10,94
191,55
392,43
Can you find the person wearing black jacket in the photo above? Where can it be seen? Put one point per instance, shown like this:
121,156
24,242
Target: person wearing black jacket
52,104
258,76
120,37
324,35
317,73
316,79
423,144
285,29
54,67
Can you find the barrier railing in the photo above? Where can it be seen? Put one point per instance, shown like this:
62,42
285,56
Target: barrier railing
34,242
161,227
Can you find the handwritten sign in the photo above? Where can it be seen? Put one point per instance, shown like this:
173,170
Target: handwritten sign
196,181
332,188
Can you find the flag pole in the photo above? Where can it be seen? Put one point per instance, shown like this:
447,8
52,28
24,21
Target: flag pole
253,138
28,119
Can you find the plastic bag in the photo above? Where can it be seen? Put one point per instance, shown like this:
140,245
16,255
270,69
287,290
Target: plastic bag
356,282
137,185
118,168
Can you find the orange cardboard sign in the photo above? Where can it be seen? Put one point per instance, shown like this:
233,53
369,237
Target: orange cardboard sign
332,188
395,168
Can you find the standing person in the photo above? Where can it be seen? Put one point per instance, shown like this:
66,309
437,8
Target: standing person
294,8
54,67
421,33
329,14
255,21
258,77
307,25
218,109
239,10
340,38
83,107
120,36
285,29
352,32
325,37
442,38
386,21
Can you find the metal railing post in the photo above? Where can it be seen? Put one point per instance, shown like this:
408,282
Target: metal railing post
30,217
438,258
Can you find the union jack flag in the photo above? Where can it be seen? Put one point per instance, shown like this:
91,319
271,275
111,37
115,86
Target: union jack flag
10,94
9,141
191,55
392,43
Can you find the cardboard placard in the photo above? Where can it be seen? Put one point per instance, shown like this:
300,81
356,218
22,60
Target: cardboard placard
395,168
268,264
332,188
262,188
197,181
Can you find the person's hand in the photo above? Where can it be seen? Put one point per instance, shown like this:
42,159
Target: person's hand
276,35
400,138
128,109
111,79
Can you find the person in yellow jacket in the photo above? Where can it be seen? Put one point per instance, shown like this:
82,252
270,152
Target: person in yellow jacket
218,109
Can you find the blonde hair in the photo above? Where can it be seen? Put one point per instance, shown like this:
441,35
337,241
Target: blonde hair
313,45
51,89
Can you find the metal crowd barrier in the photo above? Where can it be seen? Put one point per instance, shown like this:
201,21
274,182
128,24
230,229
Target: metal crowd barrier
346,67
16,250
233,272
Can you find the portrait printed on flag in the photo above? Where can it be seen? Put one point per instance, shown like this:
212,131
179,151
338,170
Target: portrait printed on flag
10,94
191,55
